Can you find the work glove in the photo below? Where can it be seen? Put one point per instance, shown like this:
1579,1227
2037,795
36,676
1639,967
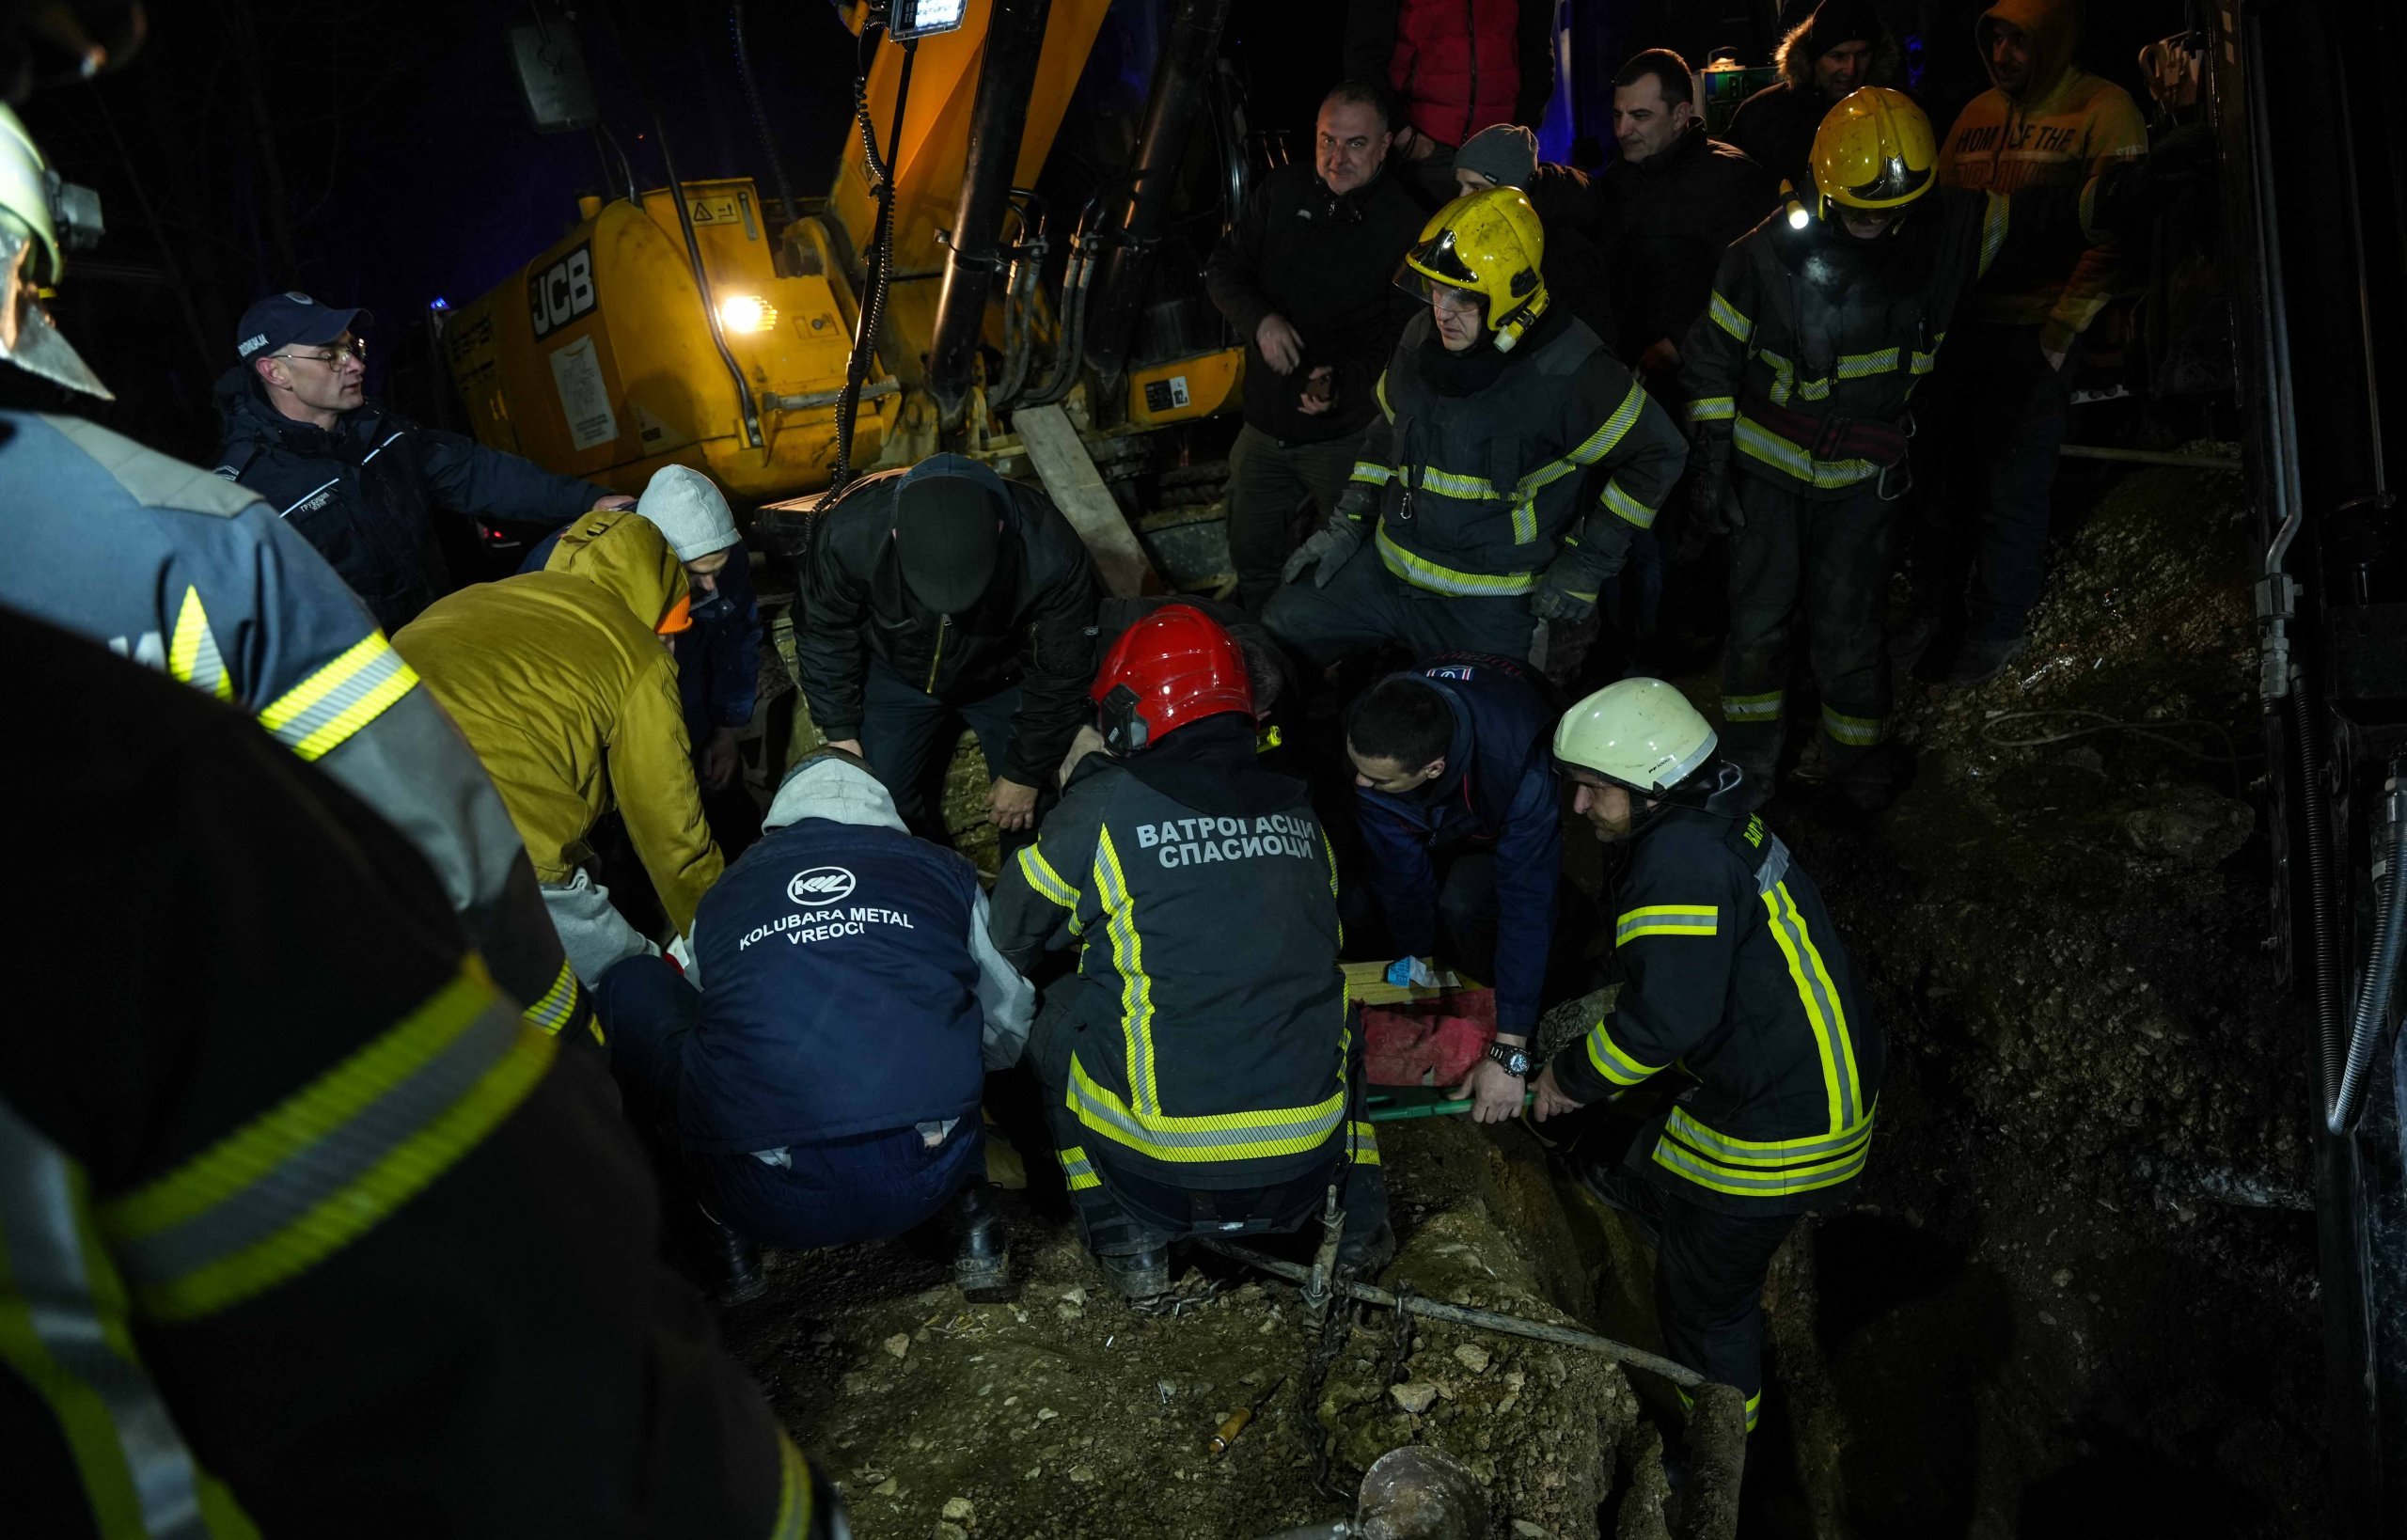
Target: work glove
1568,589
1411,971
1331,546
1713,501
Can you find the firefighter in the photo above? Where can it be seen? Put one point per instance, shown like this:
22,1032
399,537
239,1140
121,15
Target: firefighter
1515,461
1824,319
190,574
1201,1069
564,681
1462,825
1735,976
302,1231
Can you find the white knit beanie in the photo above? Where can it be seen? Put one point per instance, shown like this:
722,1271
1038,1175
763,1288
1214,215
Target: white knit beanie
690,512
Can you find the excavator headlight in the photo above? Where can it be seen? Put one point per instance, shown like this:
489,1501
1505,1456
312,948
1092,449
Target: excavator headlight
920,18
745,313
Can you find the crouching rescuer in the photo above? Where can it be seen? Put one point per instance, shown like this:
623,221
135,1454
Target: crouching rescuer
1201,1069
1734,979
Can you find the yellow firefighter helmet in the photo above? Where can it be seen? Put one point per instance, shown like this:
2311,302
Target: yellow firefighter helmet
1489,243
1874,151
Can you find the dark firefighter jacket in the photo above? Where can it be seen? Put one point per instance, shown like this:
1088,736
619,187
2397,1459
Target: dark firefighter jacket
1489,465
1458,66
559,680
1666,220
1209,1011
1735,976
1031,628
1499,789
1808,331
167,565
1775,126
1327,263
836,920
363,494
302,1230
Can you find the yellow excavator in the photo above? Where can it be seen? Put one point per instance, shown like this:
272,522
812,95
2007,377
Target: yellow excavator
783,345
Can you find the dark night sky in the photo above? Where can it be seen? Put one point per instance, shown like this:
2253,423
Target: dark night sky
394,141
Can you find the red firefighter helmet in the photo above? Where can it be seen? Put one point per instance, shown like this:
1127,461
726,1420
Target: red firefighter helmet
1174,667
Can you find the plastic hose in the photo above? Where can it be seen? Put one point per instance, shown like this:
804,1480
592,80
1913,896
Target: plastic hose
2382,969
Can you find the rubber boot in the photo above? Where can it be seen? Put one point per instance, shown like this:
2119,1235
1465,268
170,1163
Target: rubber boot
1138,1275
981,1266
1605,1176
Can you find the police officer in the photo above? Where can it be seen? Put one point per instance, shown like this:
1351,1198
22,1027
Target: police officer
1518,457
185,573
1462,825
802,1132
358,481
1201,1069
302,1230
1735,976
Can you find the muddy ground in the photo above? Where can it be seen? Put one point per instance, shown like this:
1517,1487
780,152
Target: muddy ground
2075,1294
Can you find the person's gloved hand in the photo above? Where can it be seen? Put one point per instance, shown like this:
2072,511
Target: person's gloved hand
1330,547
1713,501
1411,971
1566,590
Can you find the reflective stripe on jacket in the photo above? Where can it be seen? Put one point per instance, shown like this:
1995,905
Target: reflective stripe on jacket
1737,978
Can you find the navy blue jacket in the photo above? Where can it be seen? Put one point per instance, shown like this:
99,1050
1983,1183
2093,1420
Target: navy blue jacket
838,991
1498,787
363,494
719,656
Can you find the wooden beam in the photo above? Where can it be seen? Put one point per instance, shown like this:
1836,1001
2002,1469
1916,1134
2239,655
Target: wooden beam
1077,488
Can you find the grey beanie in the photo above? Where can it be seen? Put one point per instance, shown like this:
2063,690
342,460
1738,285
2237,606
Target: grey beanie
690,512
1506,155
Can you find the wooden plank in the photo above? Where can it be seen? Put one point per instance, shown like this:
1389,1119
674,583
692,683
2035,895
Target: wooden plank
1077,488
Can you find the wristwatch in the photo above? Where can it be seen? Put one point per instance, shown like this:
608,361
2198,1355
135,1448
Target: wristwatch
1515,1058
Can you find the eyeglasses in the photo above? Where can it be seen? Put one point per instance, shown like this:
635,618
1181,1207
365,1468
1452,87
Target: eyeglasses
355,348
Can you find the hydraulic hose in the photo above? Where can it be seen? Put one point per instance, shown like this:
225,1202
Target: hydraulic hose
759,113
2323,940
2382,969
881,254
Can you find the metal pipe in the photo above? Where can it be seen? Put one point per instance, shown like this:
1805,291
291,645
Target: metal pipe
998,122
1486,1320
1181,81
2153,457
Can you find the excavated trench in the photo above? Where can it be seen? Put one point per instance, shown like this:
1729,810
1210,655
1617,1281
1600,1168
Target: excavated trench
2075,1294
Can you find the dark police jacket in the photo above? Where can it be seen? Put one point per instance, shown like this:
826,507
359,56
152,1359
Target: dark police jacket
1211,1027
363,494
1491,465
1326,261
1499,789
169,566
842,993
301,1227
1030,629
1736,975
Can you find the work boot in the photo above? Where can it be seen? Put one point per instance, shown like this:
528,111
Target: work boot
735,1261
1977,661
1367,1256
1910,640
1610,1182
981,1266
1138,1275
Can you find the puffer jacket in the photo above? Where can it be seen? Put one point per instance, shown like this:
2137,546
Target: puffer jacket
1456,65
561,683
1775,126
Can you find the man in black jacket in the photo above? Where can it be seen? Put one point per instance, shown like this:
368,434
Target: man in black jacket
940,595
1842,45
1670,203
1304,278
357,481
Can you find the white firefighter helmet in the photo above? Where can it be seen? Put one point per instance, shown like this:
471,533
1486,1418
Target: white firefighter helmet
1639,734
30,261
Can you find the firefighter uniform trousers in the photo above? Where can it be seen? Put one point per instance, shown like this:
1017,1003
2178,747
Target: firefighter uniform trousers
1824,555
